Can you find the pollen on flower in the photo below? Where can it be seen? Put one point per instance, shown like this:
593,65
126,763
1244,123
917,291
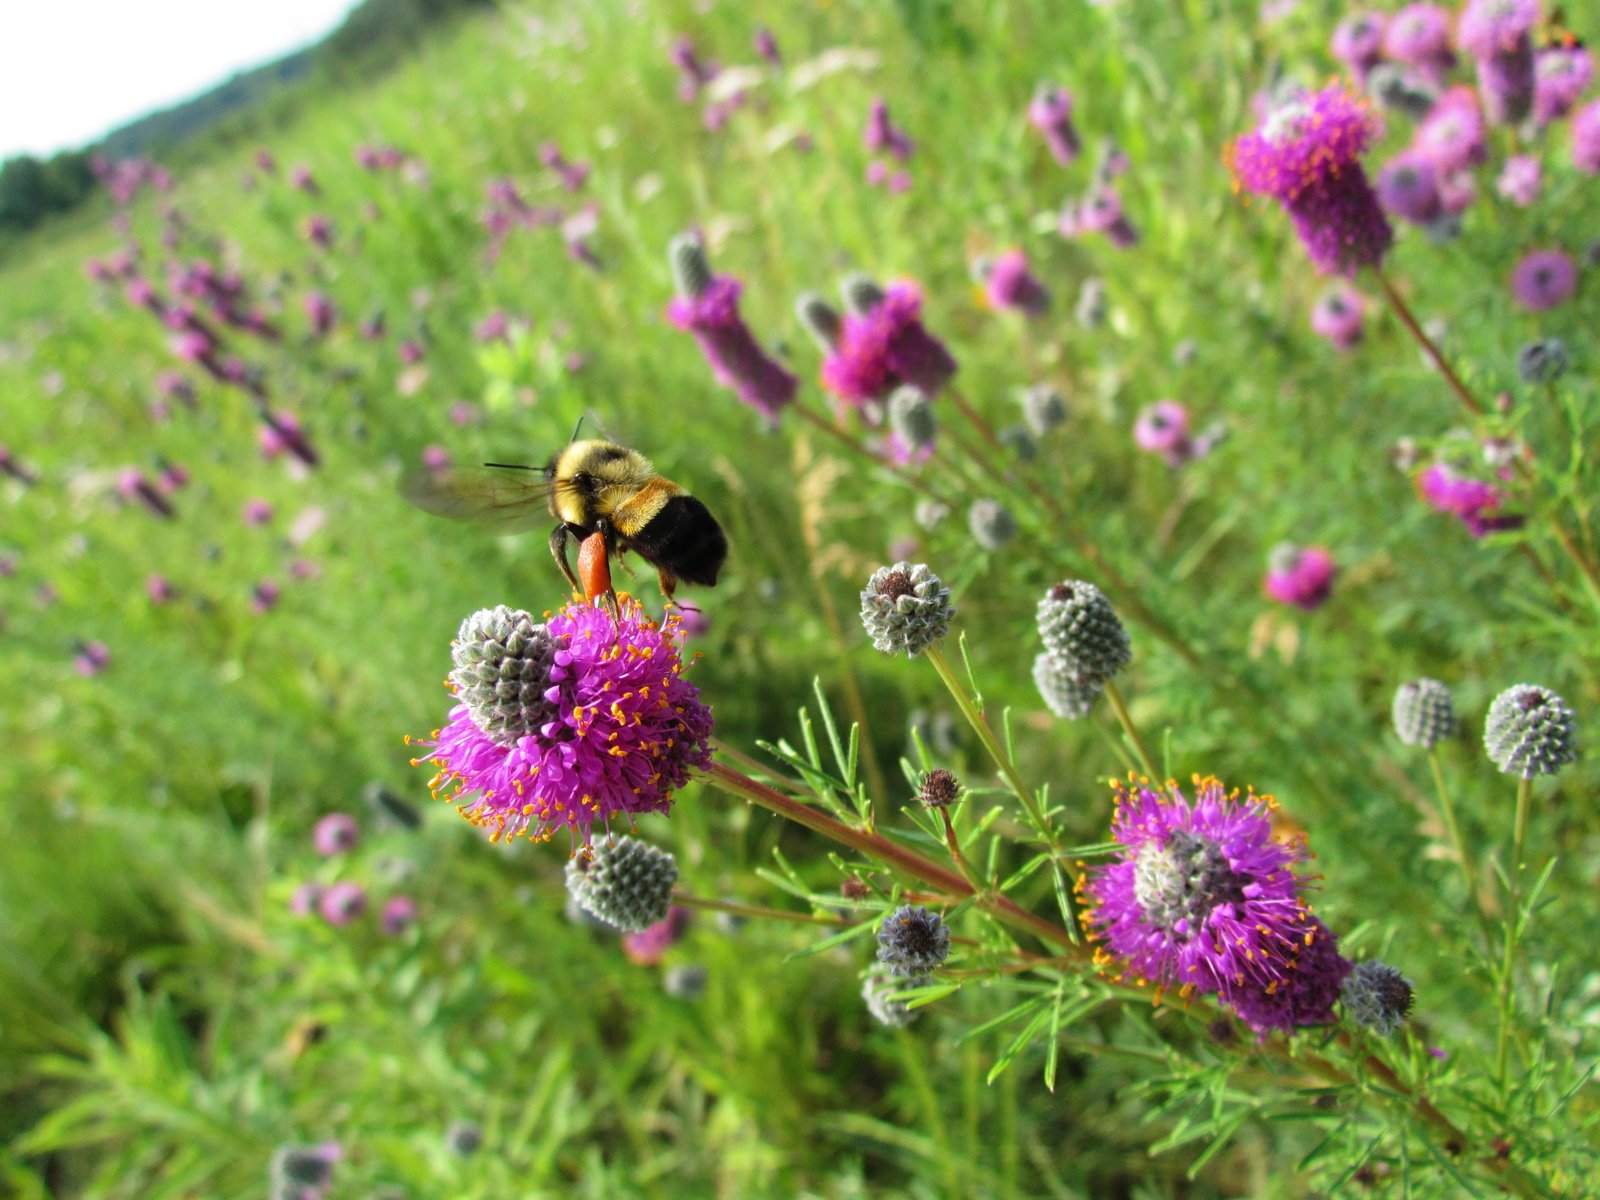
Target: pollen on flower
602,745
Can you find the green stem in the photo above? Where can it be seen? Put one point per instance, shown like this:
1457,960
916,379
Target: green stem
1447,809
1146,761
755,911
1403,311
975,718
1502,1050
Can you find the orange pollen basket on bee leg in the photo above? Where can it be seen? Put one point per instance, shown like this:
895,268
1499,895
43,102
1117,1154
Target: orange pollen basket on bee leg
594,568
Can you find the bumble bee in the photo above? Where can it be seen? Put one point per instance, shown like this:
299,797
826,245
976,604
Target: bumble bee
590,487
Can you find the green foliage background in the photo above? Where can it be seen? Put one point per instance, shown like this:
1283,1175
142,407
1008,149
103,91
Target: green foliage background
156,994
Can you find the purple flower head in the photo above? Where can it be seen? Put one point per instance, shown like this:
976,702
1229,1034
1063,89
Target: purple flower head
620,730
881,135
1586,138
648,945
302,178
1338,315
320,312
342,903
737,360
1519,180
767,46
1475,502
305,899
1307,156
1301,576
1101,212
159,589
1010,284
494,327
1306,996
1163,428
1200,896
319,231
1050,112
1419,35
1497,35
1453,135
398,915
1358,43
411,352
884,347
256,512
1408,187
134,486
281,433
91,659
334,834
1560,75
264,597
1544,278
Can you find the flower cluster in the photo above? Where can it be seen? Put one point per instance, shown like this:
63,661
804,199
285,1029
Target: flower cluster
1201,897
614,730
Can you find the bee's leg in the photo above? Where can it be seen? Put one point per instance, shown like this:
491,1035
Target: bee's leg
558,551
669,584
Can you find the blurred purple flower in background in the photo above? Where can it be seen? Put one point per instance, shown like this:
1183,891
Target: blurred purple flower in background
1543,279
1301,576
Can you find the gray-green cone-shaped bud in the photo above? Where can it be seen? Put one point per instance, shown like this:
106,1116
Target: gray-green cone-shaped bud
905,608
913,941
1376,996
1092,305
911,417
1529,731
991,523
929,513
691,269
300,1167
1019,441
685,981
861,293
1069,697
625,882
1543,361
878,990
503,663
1423,715
1043,408
1082,632
820,319
464,1138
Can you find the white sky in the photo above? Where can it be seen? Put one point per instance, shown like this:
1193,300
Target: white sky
72,70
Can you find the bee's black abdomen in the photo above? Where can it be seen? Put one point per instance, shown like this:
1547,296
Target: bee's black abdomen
685,539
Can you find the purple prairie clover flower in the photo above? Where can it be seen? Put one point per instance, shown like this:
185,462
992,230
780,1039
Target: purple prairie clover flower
882,136
1586,138
320,312
646,947
342,903
300,177
1306,995
411,352
134,486
256,512
1301,576
91,659
1519,180
435,458
281,433
265,163
1163,428
1453,135
14,467
494,327
1009,284
398,915
766,45
885,346
1100,212
1408,187
1477,503
1307,156
319,231
1358,43
305,899
707,306
1543,279
1560,75
335,834
1419,36
1050,112
1338,316
264,597
1200,896
1498,35
159,589
620,733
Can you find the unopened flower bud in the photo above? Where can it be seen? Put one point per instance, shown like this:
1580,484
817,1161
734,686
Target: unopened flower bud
905,608
913,940
991,523
1376,996
1423,715
625,882
1529,731
1082,631
505,672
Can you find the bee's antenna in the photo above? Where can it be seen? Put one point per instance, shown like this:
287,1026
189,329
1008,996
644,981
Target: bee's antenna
575,429
514,466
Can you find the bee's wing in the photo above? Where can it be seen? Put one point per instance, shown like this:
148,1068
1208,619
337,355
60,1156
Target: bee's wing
505,501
